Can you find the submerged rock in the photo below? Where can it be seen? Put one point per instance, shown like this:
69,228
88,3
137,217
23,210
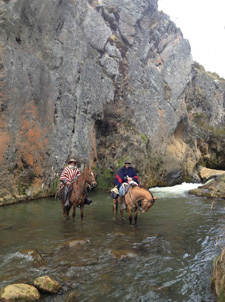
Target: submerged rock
36,257
219,275
19,292
46,284
77,242
123,254
72,297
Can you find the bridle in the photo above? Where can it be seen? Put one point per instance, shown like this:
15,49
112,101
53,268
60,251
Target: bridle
137,206
89,181
92,181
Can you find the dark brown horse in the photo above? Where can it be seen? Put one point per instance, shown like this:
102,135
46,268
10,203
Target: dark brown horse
136,199
78,194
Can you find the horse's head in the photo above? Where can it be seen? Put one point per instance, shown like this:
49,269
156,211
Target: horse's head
90,177
147,204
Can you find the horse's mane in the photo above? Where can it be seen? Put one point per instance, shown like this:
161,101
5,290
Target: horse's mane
144,188
132,185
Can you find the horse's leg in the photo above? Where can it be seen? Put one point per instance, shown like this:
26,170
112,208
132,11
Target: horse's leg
136,216
121,200
74,210
129,214
121,213
115,207
82,212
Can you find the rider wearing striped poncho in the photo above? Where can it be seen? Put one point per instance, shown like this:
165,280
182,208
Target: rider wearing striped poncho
69,174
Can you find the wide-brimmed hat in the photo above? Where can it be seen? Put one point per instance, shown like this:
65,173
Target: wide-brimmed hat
127,161
72,160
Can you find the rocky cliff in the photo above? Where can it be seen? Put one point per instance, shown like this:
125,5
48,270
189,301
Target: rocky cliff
101,81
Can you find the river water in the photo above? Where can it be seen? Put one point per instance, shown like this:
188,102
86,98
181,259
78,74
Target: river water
171,249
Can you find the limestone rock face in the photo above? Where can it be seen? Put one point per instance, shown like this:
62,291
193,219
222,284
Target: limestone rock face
20,292
206,173
101,81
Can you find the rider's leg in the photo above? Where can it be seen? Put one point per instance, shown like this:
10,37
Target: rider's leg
66,191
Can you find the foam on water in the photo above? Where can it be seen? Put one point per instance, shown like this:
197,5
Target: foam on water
17,255
174,191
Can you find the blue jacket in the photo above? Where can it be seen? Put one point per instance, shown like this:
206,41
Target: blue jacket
121,176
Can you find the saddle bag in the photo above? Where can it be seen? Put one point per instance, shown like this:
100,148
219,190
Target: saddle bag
114,193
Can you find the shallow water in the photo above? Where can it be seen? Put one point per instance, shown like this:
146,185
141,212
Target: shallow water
172,248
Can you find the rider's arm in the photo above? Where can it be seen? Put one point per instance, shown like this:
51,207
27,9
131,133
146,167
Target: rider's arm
134,176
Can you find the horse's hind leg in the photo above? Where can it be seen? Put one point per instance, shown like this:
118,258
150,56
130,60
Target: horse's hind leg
115,207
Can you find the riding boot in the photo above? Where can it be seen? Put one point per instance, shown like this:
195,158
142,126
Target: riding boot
87,201
66,196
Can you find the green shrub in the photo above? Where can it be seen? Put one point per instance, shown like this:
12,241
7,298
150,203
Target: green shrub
31,175
22,189
105,179
221,297
54,186
144,138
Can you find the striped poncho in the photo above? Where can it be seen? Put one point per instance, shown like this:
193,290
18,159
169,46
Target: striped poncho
69,174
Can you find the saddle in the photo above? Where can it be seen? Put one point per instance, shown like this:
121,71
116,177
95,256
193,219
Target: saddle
127,186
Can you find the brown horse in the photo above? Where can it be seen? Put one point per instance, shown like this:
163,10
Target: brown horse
78,194
136,199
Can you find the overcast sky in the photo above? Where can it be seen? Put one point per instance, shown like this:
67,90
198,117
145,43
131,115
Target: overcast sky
202,22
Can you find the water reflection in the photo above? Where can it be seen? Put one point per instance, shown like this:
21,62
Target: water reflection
172,249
